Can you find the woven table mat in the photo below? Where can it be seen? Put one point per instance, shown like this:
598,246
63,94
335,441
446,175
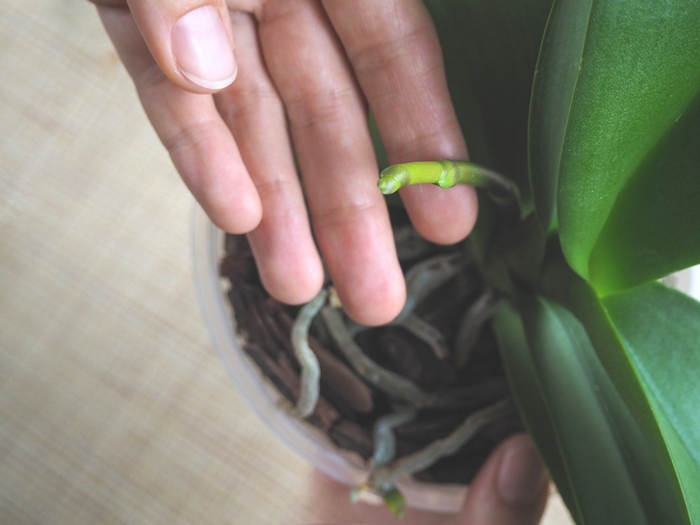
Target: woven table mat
114,408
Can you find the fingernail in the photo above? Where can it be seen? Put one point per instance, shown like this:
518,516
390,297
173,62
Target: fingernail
521,474
202,49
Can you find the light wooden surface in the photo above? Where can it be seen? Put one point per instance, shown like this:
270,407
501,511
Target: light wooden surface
113,405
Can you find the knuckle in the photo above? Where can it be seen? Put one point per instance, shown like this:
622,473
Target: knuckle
414,142
187,138
383,55
346,214
243,100
276,189
311,108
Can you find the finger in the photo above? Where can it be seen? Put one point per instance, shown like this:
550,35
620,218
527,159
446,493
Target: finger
199,143
328,122
510,489
286,255
396,56
190,40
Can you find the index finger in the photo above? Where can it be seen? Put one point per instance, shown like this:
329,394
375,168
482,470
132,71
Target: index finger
395,53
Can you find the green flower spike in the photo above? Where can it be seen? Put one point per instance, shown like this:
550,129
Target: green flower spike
448,173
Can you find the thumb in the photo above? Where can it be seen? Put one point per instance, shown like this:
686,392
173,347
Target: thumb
510,489
192,42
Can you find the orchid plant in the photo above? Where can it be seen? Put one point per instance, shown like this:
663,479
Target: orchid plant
583,120
583,123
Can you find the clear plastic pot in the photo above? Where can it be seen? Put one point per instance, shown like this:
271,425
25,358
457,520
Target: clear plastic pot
312,445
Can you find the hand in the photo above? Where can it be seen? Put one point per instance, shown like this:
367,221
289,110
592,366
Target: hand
510,489
306,71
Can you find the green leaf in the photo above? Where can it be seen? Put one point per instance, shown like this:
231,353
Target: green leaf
602,461
552,93
530,400
652,229
562,285
614,118
661,329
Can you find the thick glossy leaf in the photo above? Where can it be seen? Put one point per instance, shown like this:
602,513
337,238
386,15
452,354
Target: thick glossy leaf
530,400
661,329
562,285
628,129
600,458
652,229
552,93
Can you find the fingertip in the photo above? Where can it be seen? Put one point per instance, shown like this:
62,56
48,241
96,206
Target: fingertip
377,314
521,475
235,216
294,295
372,290
292,286
442,216
377,301
234,224
359,250
511,488
288,262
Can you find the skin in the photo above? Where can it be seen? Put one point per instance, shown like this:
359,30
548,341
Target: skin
482,506
307,72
